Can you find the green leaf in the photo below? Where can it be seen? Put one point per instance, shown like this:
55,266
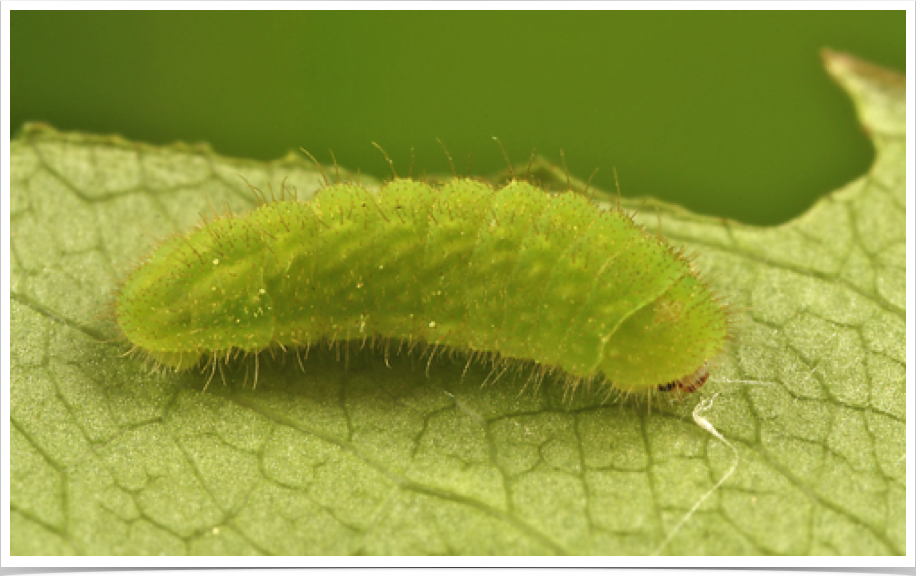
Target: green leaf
368,452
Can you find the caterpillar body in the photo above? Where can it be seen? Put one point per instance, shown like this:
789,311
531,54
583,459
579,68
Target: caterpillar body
508,273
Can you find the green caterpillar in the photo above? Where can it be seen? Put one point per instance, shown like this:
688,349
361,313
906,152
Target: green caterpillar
513,273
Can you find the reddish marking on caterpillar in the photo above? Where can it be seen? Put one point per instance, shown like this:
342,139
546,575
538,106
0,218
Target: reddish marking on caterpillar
688,384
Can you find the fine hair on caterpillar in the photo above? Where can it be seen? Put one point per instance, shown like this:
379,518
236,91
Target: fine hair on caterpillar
509,276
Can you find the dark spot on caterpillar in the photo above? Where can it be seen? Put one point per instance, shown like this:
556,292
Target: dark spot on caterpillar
688,384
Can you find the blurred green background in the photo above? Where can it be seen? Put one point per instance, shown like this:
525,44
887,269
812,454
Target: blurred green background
727,113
